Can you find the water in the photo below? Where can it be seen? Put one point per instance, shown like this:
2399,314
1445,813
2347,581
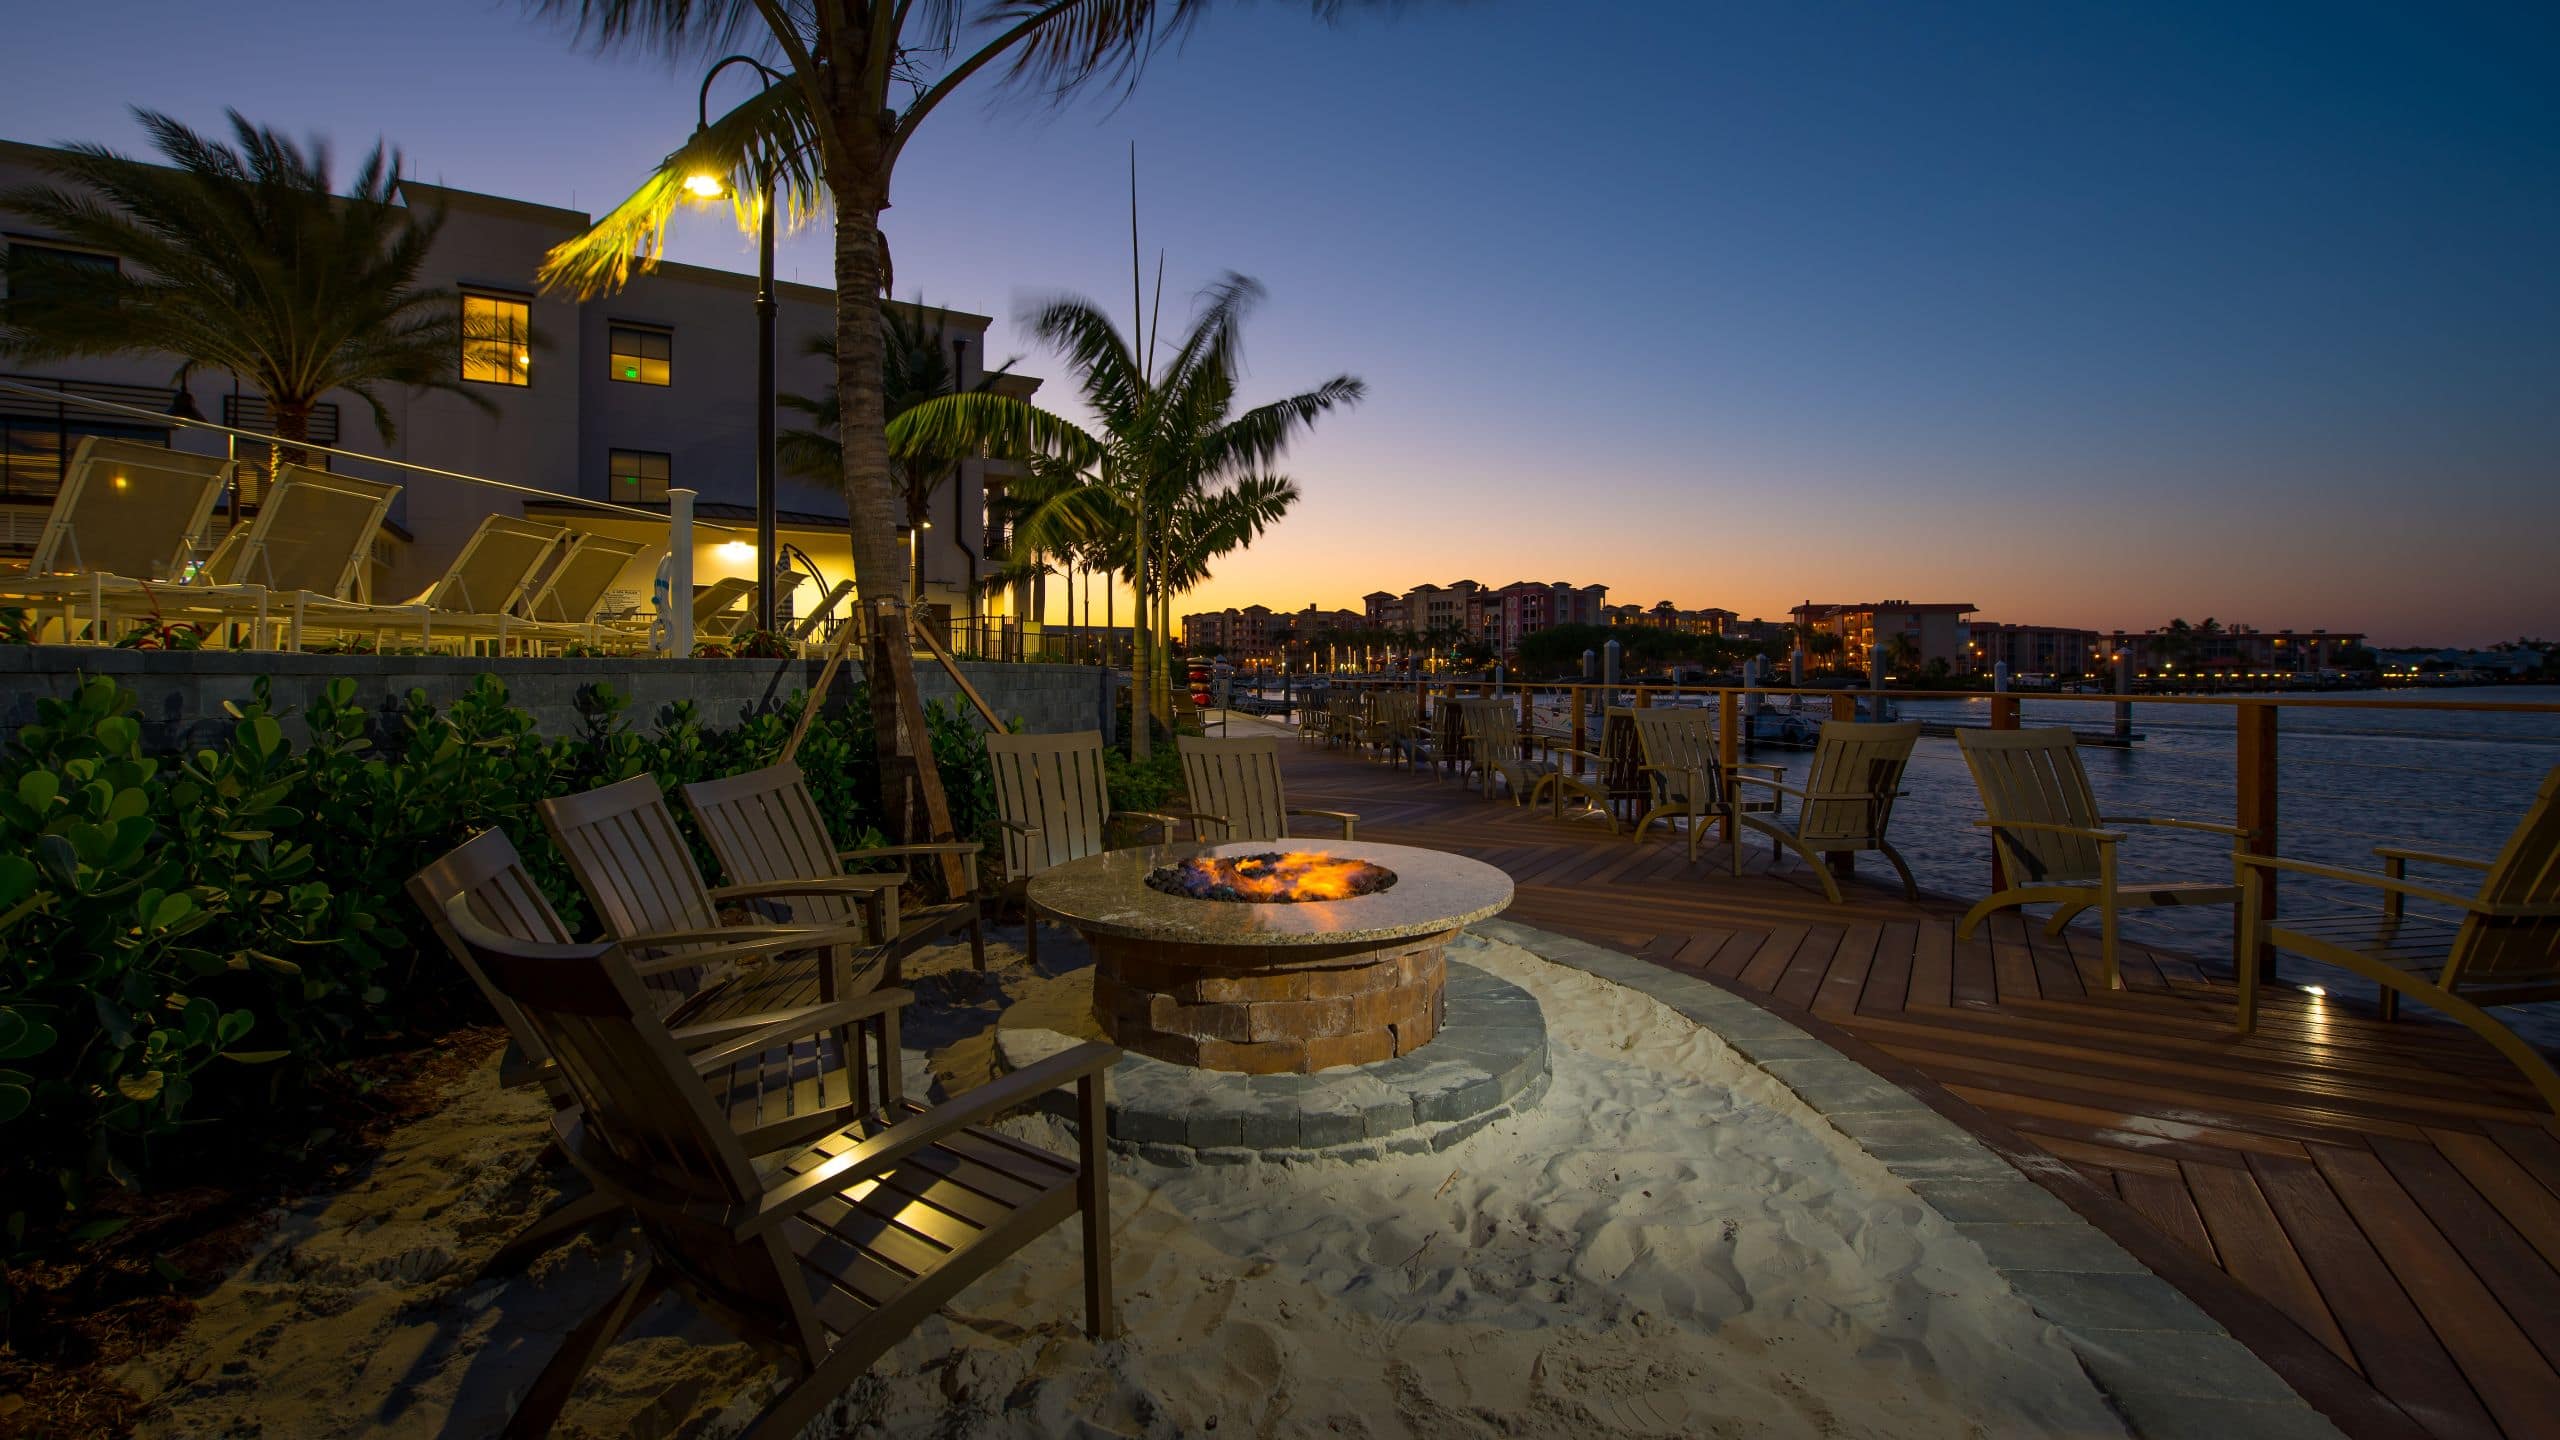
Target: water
2349,779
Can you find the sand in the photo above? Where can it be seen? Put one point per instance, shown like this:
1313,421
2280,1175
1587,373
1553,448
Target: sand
1670,1245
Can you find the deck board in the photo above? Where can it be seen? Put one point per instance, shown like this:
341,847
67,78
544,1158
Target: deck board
2391,1190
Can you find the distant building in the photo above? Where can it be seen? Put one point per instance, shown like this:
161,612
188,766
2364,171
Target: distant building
1666,616
1242,634
2508,662
2237,650
1936,631
2036,649
1525,607
1386,611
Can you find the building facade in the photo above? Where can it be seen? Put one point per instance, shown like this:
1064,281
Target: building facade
2236,650
1663,615
2056,650
616,399
1933,631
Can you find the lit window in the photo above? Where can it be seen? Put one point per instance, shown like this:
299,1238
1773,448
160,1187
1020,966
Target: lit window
497,340
640,356
638,475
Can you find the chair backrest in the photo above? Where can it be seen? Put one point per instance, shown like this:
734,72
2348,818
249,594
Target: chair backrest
129,508
646,1130
1683,746
1056,785
313,532
711,601
764,826
1394,713
1237,779
2510,950
578,580
807,625
495,567
486,876
1493,726
623,846
1856,776
2036,776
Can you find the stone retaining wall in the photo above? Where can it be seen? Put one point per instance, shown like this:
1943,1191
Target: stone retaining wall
182,692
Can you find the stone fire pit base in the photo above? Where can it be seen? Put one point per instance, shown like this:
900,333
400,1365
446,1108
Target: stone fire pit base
1487,1061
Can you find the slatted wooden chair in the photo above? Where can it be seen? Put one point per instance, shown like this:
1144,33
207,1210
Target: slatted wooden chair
1396,733
635,868
1053,802
769,1097
764,828
1532,770
2499,946
2054,846
1236,789
824,1256
1846,801
1684,777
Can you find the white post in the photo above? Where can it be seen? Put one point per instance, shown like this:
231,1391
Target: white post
678,608
2000,678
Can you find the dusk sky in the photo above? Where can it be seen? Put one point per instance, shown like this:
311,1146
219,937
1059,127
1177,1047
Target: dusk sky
2087,315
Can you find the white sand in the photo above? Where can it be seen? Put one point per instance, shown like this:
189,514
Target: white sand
1670,1245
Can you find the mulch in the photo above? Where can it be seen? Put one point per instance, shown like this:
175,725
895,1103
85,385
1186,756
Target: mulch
81,1309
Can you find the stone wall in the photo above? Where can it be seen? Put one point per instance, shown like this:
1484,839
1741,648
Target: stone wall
182,692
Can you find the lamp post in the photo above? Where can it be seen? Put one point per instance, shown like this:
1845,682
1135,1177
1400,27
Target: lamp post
712,187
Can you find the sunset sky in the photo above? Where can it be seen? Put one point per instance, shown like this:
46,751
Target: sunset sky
2087,315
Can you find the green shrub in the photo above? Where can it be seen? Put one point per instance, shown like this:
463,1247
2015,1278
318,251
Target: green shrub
185,940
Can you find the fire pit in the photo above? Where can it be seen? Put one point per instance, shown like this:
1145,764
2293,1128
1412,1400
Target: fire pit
1240,958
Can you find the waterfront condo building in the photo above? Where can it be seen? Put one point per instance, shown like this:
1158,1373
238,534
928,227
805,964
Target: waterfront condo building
2057,650
1935,631
2237,650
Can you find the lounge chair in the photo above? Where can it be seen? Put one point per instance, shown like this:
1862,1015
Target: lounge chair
822,1258
563,603
308,548
1846,802
2054,846
2500,946
1235,786
477,596
768,1096
126,515
764,828
1053,802
1685,777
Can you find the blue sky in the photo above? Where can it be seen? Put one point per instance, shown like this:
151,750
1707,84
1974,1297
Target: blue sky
2088,315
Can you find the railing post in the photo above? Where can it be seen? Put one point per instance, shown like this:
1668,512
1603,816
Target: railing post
1581,723
679,609
1729,755
1528,746
2254,771
2004,716
1844,706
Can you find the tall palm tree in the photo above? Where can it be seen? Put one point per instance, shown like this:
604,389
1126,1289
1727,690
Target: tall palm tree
243,257
1166,433
861,78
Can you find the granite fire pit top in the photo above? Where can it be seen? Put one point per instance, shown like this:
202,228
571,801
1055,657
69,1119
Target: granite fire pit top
1107,894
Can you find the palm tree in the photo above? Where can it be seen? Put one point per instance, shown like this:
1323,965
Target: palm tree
243,257
1901,654
860,78
1166,434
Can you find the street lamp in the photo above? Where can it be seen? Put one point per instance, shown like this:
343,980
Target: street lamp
708,186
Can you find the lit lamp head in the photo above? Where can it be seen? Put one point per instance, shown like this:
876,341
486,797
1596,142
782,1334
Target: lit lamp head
703,185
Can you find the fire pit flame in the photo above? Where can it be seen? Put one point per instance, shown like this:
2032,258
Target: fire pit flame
1274,877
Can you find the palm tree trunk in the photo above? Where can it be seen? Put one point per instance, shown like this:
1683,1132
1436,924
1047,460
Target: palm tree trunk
292,421
1141,711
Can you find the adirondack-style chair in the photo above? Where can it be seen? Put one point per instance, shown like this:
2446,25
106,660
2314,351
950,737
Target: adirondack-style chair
2500,946
1395,728
1685,777
822,1257
769,1096
631,861
1053,802
2054,846
1846,801
1494,742
1235,786
764,828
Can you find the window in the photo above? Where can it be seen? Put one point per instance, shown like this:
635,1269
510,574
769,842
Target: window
642,356
35,271
497,339
638,475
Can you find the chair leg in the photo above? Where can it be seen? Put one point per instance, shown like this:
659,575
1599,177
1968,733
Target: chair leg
1982,910
2063,915
1093,1200
2389,1005
2244,968
555,1226
1910,887
542,1404
977,934
2536,1067
2109,922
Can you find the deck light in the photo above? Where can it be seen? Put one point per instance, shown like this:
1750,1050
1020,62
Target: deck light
737,552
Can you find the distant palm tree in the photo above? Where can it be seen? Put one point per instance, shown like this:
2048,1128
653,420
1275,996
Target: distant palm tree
1901,654
243,257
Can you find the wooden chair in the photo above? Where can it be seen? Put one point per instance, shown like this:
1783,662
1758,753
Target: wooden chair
2054,846
1685,778
2501,946
822,1257
1053,802
635,868
1235,786
1494,740
769,1096
765,829
1846,802
1395,728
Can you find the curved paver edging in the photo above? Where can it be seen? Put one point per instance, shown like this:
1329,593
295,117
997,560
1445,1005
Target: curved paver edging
1487,1061
2170,1369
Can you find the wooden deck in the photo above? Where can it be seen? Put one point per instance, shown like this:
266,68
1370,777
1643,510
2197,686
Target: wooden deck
2374,1208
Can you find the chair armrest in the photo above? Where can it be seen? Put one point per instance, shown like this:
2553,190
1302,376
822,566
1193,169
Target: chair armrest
2163,822
928,847
812,1021
1018,828
1780,786
2429,857
739,942
908,1136
2368,878
1165,820
1347,818
2049,827
1741,765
